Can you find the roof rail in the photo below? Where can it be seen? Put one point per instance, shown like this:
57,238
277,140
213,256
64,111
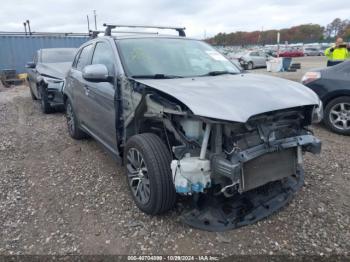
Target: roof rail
94,33
109,27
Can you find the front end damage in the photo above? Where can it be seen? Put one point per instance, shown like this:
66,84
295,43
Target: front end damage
235,173
54,87
243,171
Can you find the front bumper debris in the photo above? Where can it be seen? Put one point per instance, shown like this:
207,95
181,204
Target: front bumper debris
221,214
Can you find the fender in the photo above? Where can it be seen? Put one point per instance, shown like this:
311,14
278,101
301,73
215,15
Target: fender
334,94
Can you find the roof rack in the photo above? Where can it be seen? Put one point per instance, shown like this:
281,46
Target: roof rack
109,27
94,33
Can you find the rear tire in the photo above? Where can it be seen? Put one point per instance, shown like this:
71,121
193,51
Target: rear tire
337,115
147,163
44,101
73,123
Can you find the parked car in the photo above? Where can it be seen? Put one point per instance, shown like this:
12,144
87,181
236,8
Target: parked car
185,120
332,85
46,74
251,59
271,52
291,53
311,51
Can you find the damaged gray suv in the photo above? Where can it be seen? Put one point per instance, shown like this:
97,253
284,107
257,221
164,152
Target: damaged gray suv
187,122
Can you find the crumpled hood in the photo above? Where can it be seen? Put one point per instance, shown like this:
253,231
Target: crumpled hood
57,70
235,97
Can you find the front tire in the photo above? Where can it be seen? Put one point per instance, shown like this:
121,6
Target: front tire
147,163
72,123
44,101
337,115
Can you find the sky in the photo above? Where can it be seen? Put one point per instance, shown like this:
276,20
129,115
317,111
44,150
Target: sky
200,17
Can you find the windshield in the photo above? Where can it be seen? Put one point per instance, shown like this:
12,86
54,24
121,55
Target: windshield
172,57
57,55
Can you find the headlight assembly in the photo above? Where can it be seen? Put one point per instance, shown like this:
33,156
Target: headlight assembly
52,80
310,77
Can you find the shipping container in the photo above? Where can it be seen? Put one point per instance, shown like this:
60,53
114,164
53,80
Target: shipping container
17,50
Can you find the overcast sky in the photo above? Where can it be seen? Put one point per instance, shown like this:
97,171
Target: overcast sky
198,16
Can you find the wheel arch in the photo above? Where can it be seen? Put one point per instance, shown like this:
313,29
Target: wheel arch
333,95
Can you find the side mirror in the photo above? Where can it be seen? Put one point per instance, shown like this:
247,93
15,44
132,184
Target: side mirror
96,73
30,65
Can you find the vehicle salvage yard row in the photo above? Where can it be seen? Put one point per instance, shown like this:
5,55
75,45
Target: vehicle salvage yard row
60,196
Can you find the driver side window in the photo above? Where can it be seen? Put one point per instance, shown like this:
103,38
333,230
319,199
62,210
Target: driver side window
84,58
103,54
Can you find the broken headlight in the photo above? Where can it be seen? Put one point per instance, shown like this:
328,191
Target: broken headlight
317,113
52,80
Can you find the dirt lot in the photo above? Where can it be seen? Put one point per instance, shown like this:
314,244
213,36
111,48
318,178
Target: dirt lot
60,196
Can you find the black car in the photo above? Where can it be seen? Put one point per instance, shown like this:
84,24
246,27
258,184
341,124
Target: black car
46,75
332,85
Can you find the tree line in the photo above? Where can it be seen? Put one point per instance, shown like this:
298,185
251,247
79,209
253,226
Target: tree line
306,33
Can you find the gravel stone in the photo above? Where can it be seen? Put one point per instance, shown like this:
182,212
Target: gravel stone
61,196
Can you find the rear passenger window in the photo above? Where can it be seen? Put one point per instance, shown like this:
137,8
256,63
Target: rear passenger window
84,58
104,55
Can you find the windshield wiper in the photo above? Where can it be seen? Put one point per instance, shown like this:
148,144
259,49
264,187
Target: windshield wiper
157,76
216,73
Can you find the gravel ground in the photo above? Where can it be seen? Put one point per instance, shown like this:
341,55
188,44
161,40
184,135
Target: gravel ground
60,196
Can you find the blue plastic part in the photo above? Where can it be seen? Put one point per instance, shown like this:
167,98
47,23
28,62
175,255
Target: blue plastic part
197,187
182,190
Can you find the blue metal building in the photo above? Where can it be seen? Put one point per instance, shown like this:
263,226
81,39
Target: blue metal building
17,50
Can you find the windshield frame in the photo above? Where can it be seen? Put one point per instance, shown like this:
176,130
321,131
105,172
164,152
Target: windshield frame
130,75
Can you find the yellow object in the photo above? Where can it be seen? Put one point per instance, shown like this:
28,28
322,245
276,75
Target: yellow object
338,53
23,76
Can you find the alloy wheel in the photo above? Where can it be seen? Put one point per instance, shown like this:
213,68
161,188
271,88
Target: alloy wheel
137,173
339,116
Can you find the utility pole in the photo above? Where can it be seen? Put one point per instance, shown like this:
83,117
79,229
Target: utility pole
95,20
88,23
25,27
30,31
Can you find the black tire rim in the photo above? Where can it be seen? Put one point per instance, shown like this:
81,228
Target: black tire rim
339,116
70,119
137,173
